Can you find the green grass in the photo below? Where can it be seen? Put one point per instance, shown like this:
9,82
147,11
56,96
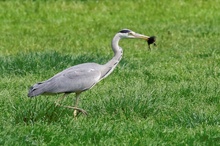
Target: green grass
167,96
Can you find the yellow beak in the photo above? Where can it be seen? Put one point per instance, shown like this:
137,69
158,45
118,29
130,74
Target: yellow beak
140,36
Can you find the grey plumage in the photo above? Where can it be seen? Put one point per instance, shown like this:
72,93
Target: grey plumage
74,79
82,77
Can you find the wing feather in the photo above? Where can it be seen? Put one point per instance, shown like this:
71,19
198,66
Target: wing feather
74,79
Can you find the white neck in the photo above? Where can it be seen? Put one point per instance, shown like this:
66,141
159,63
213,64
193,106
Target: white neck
118,52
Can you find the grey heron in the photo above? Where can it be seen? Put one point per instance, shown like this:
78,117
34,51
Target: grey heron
82,77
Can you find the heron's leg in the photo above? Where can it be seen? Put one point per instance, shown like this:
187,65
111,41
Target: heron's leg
76,104
57,102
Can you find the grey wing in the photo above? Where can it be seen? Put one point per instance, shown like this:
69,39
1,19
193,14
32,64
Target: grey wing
74,80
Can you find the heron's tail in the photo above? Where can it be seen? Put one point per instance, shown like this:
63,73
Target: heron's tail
36,89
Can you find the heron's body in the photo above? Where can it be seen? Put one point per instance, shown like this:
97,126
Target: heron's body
74,79
82,77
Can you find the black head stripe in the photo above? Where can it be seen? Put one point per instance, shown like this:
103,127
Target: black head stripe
125,31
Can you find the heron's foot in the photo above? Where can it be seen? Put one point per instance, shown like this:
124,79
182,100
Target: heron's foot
76,110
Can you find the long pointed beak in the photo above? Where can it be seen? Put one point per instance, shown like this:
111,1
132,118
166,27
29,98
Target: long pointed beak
141,36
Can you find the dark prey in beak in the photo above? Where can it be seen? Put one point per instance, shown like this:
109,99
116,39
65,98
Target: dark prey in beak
151,40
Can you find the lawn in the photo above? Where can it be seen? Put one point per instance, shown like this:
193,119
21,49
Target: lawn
167,96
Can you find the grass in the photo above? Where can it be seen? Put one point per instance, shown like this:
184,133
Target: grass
167,96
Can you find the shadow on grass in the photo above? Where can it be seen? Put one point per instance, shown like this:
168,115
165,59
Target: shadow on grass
23,64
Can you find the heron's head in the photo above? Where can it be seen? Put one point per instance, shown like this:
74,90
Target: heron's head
126,33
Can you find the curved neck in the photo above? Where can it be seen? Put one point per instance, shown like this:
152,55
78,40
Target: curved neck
118,52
